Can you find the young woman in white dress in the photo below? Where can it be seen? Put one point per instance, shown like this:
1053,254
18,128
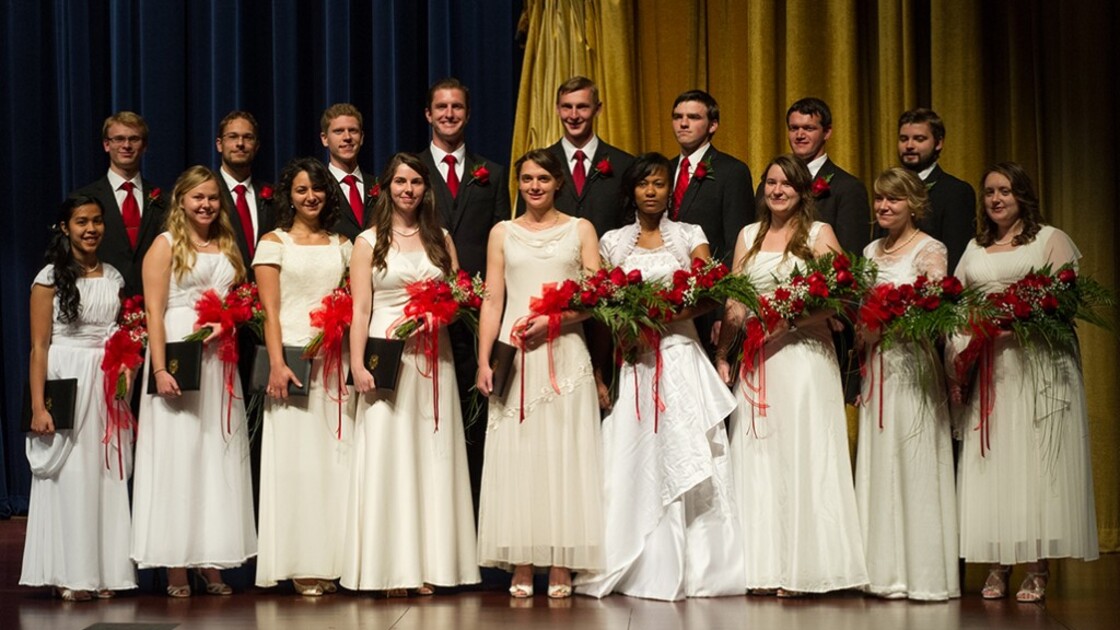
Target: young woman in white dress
79,487
410,520
672,531
192,492
1029,496
541,499
793,475
904,465
307,440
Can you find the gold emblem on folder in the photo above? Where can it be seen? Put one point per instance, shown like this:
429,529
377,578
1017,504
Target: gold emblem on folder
48,403
173,366
373,361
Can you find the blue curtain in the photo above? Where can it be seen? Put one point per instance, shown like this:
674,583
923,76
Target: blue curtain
67,64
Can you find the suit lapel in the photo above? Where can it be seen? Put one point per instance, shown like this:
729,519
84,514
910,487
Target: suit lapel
445,204
111,212
152,216
694,183
569,183
466,189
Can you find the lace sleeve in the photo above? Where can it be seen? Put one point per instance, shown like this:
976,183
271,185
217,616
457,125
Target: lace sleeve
932,259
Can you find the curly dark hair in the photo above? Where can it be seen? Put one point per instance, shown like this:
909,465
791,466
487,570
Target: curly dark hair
643,166
67,270
1029,211
321,179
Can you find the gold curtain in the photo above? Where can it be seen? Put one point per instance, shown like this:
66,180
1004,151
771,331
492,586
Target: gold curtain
1029,81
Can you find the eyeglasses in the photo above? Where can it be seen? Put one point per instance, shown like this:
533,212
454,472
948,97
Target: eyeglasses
119,140
234,137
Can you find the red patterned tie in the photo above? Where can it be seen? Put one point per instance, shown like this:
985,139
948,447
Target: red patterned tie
355,198
679,188
452,176
579,173
246,219
130,212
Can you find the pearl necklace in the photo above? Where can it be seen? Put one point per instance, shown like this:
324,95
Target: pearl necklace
542,225
406,234
202,245
1010,238
891,250
92,269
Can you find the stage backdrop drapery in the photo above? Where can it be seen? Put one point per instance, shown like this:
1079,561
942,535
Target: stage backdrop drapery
183,65
1028,81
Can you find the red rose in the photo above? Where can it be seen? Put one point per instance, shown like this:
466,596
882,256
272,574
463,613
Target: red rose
781,295
153,194
701,171
604,167
266,192
841,262
820,187
375,192
705,281
798,306
818,289
931,302
1049,304
698,265
1067,276
845,278
618,277
951,286
588,298
1021,309
634,277
481,175
680,276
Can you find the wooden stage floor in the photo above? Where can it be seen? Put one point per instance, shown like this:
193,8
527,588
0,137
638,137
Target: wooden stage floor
1083,596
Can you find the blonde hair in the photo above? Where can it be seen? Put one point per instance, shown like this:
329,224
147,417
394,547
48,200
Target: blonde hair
900,183
183,255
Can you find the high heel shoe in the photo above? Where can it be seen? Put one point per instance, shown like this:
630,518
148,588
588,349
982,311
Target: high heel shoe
179,592
995,587
71,595
521,591
213,588
308,589
328,586
1033,588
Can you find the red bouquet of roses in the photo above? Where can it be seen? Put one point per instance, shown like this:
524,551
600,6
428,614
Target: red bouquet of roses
434,303
1042,306
708,280
124,351
918,312
830,282
241,307
332,318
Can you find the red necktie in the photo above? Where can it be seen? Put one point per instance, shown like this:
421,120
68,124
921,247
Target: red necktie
579,173
130,212
355,198
679,188
246,219
452,176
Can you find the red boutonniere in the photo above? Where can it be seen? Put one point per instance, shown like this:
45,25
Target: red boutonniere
820,185
480,175
604,168
153,194
375,192
266,192
703,169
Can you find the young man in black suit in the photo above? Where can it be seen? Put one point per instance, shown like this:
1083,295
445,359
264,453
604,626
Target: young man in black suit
471,197
133,208
710,188
342,135
470,190
249,201
841,199
592,189
952,202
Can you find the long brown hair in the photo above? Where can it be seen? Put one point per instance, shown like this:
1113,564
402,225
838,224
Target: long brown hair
183,255
1029,211
798,175
431,233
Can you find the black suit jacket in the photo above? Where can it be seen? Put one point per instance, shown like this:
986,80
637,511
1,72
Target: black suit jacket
266,219
347,224
720,203
952,213
601,201
115,248
478,207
